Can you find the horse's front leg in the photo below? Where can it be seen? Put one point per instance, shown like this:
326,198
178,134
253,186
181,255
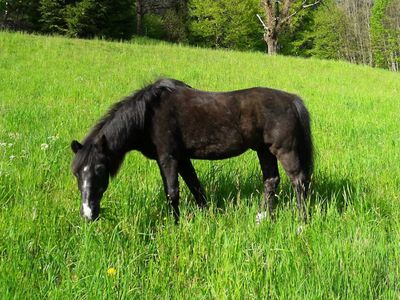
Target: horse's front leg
169,173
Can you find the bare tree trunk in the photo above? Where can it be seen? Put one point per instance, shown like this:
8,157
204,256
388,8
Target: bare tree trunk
272,44
358,36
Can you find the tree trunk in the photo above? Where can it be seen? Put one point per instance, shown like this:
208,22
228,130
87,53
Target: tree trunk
272,47
272,44
139,15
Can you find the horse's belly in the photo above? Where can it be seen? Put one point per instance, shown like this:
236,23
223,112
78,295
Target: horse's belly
215,145
212,154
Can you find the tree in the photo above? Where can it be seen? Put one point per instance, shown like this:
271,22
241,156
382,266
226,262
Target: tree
120,18
378,32
163,14
85,19
296,39
358,41
19,15
385,33
225,23
327,37
88,18
52,16
391,22
139,17
278,14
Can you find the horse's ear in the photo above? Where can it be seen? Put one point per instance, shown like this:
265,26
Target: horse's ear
101,144
76,146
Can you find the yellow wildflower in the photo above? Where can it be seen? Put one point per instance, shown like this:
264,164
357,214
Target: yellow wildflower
111,271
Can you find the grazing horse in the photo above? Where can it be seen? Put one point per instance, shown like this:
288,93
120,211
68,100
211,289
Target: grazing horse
170,122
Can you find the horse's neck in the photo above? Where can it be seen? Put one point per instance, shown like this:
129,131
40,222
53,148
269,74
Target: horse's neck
120,140
121,136
116,153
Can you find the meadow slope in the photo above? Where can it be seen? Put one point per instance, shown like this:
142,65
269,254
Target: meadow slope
52,90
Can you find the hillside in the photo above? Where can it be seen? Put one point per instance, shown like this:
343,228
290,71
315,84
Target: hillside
52,90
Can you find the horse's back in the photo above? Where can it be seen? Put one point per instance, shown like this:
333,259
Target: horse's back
217,125
209,123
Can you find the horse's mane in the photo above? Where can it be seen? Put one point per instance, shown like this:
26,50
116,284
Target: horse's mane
132,109
122,117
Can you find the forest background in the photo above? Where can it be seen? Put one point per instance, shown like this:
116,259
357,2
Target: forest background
359,31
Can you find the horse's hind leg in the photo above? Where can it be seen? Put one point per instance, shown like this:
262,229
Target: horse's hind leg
189,175
291,164
269,168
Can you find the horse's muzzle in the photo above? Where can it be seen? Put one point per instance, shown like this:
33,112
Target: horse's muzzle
90,212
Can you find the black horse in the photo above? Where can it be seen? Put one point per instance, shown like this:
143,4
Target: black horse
170,122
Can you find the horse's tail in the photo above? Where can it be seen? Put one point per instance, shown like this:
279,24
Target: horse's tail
305,144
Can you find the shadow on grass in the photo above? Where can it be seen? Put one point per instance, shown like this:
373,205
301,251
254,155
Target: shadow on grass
326,190
226,189
339,192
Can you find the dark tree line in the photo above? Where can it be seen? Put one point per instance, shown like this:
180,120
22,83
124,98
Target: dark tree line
360,31
75,18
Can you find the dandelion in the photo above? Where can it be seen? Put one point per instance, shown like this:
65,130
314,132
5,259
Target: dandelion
111,272
44,146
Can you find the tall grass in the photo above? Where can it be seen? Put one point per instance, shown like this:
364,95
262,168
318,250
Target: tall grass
53,90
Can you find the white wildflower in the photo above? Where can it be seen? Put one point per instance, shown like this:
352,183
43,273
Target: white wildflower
3,144
14,135
24,153
12,157
10,145
44,146
53,138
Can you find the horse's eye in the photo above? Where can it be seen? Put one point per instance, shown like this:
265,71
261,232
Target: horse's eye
100,169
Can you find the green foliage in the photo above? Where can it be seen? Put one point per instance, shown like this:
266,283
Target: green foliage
327,35
85,19
77,18
175,26
391,24
385,33
378,32
119,18
109,19
225,23
171,26
53,16
153,26
295,40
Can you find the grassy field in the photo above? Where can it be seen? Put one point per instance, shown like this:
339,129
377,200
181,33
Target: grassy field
54,89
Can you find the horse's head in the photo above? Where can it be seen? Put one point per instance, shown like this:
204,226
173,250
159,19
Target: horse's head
91,169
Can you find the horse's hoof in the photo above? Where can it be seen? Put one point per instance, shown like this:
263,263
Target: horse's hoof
260,216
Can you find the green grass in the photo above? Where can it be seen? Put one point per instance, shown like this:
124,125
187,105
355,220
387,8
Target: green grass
53,90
